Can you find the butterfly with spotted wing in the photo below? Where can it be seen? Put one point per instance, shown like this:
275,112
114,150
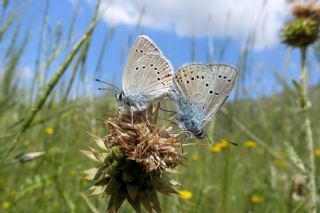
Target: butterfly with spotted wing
147,75
199,91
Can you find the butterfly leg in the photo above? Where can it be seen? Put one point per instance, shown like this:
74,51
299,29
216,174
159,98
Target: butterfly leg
147,118
131,112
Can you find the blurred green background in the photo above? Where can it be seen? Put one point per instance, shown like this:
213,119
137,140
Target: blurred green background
45,120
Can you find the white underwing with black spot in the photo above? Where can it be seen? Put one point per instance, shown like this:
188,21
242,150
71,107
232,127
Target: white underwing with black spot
147,75
200,90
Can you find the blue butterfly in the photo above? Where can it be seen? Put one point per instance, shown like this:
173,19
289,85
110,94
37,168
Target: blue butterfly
147,75
199,92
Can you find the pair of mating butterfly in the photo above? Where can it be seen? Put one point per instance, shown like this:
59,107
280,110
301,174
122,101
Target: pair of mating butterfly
199,90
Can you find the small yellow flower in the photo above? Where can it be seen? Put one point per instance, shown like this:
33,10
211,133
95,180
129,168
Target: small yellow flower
281,154
26,142
223,143
215,148
185,194
49,130
73,173
257,199
13,193
317,152
281,163
195,157
54,106
82,123
6,205
250,144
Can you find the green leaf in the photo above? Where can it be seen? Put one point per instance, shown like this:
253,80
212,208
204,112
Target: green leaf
113,186
97,190
135,204
89,155
294,157
90,173
154,200
132,191
119,197
145,199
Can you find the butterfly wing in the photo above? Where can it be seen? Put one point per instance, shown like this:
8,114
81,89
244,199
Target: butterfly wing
147,71
206,86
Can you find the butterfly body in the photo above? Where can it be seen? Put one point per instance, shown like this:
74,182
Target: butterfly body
200,90
138,102
147,76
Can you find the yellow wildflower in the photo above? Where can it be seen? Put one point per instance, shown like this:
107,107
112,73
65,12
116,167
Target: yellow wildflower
281,163
54,106
49,130
185,194
6,205
215,148
82,123
195,157
223,143
256,199
317,152
73,173
26,142
250,144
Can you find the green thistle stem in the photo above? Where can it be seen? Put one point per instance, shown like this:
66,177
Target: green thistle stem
305,104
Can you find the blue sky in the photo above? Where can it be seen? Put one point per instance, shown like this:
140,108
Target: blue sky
212,26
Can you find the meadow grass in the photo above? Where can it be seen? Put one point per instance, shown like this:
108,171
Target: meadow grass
256,176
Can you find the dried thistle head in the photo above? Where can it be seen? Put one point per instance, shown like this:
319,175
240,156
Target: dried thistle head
308,10
134,162
303,30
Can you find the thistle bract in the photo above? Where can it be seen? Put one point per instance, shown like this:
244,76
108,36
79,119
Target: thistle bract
134,161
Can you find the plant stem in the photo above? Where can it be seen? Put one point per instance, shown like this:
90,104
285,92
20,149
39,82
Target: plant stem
304,104
44,94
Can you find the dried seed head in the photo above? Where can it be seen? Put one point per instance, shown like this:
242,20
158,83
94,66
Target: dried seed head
309,10
135,159
304,29
150,146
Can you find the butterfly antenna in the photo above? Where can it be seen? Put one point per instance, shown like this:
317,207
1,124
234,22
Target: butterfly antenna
107,89
98,80
233,143
206,135
229,141
165,110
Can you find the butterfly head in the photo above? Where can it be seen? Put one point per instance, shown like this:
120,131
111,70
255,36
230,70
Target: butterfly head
120,96
199,134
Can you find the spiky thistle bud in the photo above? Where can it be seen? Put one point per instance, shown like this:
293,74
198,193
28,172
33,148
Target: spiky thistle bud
303,30
134,161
